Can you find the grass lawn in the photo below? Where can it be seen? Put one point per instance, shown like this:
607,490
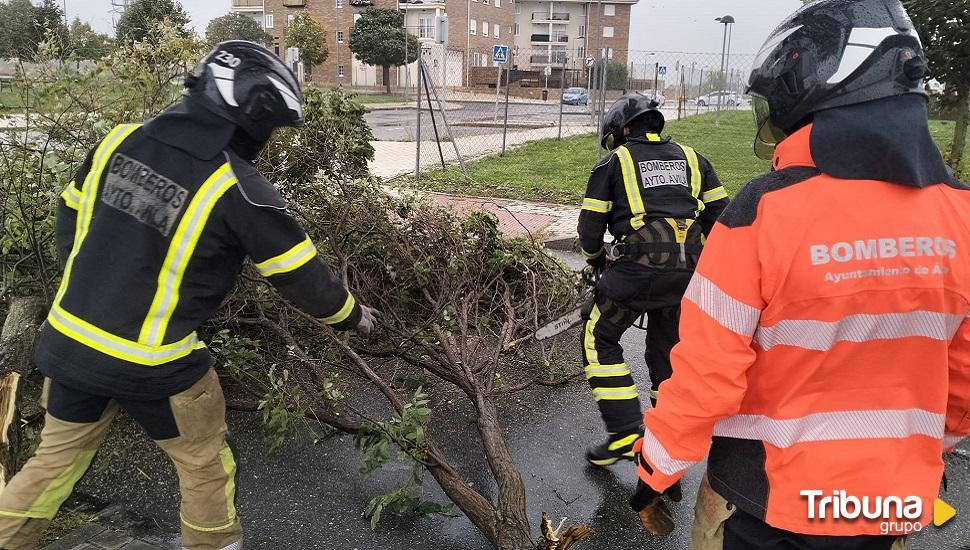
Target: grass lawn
10,98
557,171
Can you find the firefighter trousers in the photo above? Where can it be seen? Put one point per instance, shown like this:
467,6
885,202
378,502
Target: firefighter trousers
718,525
189,427
624,293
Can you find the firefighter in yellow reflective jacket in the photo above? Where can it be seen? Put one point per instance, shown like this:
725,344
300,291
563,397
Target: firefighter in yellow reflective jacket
659,199
153,232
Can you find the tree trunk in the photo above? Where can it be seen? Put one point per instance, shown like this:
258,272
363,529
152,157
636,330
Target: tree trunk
387,79
960,134
476,507
513,525
16,352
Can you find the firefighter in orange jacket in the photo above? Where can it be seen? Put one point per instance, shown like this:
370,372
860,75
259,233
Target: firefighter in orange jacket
825,338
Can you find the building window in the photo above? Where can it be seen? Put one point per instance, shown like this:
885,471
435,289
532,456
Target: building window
472,27
582,31
515,29
607,32
498,3
268,21
425,29
340,71
340,37
582,52
496,29
518,8
476,59
289,19
484,27
609,10
340,3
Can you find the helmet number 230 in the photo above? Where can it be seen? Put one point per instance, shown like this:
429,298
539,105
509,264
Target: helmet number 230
228,58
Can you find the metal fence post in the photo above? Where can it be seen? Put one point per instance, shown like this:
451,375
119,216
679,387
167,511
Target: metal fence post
562,92
508,85
417,156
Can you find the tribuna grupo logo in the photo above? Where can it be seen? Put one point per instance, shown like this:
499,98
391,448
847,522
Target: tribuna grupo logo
896,515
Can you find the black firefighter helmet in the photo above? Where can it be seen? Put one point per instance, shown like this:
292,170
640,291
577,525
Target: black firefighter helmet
247,85
623,112
828,54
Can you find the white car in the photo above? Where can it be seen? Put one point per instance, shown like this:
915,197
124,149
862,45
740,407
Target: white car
728,99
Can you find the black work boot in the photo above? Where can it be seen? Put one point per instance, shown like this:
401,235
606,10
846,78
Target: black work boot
618,447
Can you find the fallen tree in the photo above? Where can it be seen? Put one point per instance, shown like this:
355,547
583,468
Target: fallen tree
459,301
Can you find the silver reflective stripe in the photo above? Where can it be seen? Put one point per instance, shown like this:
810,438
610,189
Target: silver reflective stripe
732,314
952,440
823,335
660,458
116,347
833,426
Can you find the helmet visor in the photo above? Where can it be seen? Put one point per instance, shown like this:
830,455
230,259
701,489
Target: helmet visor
768,134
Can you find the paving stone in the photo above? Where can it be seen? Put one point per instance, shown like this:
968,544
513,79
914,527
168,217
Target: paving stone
74,538
140,545
111,539
86,546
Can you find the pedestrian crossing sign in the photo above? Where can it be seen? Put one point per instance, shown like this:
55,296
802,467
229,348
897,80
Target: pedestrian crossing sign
500,53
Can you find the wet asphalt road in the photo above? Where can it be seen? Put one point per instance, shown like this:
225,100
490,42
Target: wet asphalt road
309,495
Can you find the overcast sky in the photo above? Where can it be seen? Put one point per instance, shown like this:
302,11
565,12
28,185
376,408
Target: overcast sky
668,25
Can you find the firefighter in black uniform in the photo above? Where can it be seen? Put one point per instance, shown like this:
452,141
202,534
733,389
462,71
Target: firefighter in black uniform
153,232
658,199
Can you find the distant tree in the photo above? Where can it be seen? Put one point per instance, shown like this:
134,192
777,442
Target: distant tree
23,25
236,26
84,43
138,19
617,75
944,26
305,33
379,38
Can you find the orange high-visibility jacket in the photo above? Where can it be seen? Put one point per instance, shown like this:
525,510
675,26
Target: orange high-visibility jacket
825,346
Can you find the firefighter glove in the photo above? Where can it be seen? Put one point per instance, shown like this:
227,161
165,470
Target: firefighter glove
598,262
368,318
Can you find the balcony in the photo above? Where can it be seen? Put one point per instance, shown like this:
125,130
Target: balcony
558,18
247,5
549,39
420,4
554,59
294,3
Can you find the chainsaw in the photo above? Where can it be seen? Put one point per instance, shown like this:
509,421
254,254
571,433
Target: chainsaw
574,318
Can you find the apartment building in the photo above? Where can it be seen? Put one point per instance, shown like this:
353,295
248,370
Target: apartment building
541,33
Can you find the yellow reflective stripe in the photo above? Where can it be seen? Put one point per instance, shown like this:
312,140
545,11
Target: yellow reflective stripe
180,251
615,394
290,260
606,371
72,197
201,529
596,205
591,255
695,174
115,346
57,491
89,196
632,186
229,466
343,313
627,441
715,194
589,339
654,137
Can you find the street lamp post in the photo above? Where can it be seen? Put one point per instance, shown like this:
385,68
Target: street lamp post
727,21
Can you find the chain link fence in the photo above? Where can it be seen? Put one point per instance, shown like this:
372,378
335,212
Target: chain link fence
469,108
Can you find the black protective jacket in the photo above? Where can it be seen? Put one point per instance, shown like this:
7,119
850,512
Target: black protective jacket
648,178
153,233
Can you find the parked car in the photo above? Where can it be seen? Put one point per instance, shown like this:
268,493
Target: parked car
655,95
575,96
728,99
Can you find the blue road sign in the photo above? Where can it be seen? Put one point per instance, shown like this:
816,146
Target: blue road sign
500,54
662,70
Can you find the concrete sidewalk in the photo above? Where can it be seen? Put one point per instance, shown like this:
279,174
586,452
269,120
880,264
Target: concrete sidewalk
554,224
